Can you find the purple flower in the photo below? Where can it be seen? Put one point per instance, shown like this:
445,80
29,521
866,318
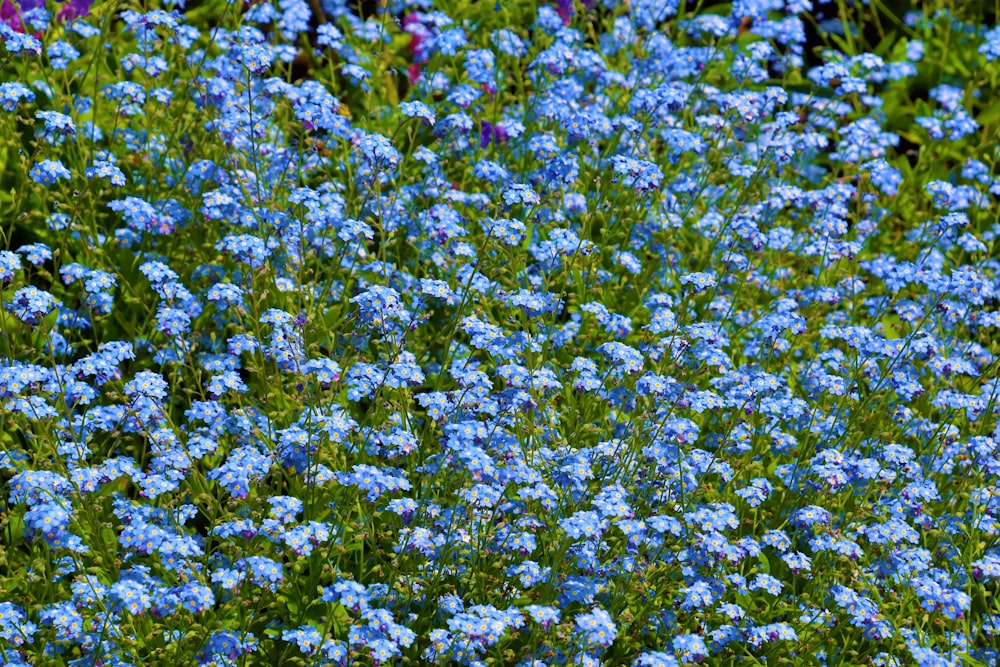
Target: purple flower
11,12
74,9
490,133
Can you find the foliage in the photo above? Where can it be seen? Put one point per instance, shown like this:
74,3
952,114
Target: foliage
651,333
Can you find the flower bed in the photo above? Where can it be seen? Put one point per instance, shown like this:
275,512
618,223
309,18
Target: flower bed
499,333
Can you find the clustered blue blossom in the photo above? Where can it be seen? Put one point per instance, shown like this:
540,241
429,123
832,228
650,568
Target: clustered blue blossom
595,344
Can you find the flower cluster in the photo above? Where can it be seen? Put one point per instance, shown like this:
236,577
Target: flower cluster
528,333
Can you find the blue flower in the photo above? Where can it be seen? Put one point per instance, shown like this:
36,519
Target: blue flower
31,305
13,93
689,648
378,151
172,321
55,126
306,637
15,628
418,110
108,170
697,596
263,571
655,659
48,172
19,42
10,264
35,253
639,174
517,193
508,42
596,627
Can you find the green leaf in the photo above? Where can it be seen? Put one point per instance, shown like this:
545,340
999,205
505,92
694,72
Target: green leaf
990,116
765,564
